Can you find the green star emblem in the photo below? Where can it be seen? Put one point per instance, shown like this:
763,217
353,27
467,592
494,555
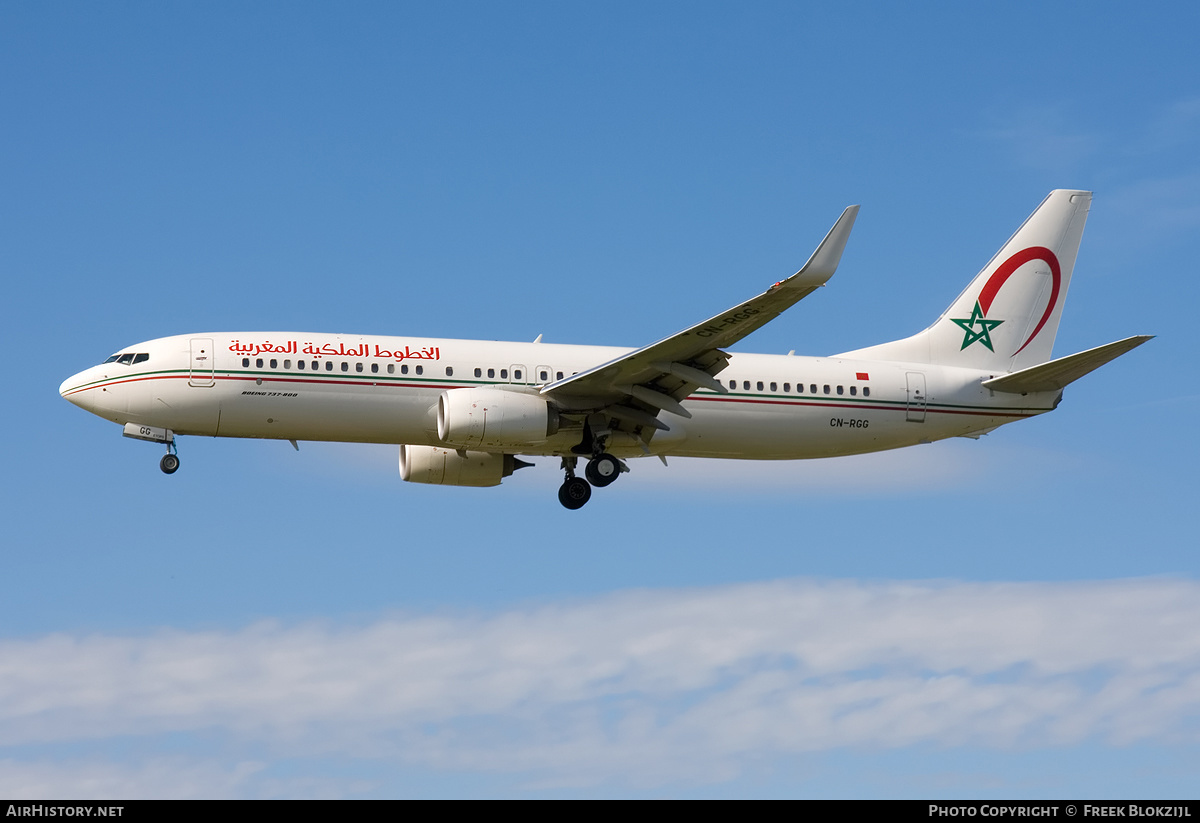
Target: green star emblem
984,335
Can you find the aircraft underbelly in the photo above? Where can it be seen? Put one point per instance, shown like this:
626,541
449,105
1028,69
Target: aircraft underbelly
785,432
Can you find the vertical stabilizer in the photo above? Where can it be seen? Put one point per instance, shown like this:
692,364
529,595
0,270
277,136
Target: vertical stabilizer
1008,317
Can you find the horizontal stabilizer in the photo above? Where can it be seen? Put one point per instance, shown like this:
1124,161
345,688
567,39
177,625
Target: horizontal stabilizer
1058,373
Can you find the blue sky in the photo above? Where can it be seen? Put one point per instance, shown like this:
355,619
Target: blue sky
1012,617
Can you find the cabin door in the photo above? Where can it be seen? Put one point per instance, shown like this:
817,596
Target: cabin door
916,397
201,363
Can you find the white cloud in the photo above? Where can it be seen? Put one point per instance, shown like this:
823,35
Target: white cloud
159,778
645,686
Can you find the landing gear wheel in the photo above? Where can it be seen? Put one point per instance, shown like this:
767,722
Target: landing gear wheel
169,464
602,470
574,492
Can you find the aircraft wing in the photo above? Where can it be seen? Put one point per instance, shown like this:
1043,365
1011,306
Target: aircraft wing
633,388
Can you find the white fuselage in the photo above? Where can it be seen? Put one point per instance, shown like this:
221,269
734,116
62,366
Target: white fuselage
296,386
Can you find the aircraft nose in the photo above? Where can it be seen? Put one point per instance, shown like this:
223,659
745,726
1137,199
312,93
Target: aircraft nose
68,384
76,390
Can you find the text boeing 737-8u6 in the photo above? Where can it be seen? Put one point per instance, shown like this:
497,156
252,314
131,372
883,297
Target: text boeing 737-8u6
463,410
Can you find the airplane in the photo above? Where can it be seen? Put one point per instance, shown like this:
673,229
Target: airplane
463,412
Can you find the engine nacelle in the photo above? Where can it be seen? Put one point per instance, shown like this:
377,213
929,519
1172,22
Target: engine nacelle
494,419
447,467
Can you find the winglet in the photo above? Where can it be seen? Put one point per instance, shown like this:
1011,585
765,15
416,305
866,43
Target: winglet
824,261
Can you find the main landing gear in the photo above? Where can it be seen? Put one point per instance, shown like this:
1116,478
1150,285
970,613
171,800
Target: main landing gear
574,491
600,471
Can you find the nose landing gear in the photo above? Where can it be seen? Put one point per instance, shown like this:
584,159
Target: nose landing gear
170,461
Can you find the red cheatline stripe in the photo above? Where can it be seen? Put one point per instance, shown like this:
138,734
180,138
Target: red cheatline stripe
896,408
351,382
701,397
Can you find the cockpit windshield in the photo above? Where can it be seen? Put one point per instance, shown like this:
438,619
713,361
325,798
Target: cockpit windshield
128,358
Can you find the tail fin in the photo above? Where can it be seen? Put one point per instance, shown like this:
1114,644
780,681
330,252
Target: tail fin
1008,317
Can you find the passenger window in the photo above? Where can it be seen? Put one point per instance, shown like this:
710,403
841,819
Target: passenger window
491,372
374,368
479,372
328,365
853,391
140,358
504,374
274,363
840,390
299,364
543,376
345,366
358,367
449,371
866,391
391,368
759,385
404,369
245,362
516,374
733,384
258,363
315,365
287,364
787,387
560,376
746,385
812,388
774,387
826,388
420,369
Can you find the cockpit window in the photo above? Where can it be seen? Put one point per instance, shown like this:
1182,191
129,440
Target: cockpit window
128,358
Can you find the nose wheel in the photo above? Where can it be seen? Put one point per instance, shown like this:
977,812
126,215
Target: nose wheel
170,461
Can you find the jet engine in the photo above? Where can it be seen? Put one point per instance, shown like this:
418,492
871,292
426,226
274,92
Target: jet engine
447,467
491,418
